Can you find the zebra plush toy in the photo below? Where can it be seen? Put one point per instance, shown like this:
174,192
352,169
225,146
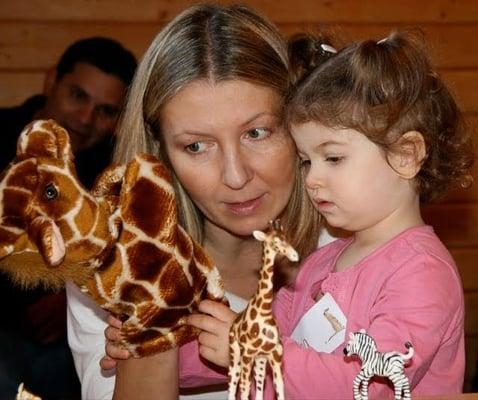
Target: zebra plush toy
389,365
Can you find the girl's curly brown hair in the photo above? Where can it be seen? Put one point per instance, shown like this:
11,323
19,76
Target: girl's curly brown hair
383,90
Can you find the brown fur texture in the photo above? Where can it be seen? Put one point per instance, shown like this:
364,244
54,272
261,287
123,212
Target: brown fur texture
121,242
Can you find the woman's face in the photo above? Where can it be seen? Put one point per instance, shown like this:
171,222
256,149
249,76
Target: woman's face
230,153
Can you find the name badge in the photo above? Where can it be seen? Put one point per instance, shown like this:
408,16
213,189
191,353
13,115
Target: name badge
322,327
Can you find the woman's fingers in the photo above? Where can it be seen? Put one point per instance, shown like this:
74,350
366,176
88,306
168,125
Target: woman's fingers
114,351
113,334
107,363
115,322
217,310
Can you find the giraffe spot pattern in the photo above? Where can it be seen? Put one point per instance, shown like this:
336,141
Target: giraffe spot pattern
144,258
134,293
174,285
144,197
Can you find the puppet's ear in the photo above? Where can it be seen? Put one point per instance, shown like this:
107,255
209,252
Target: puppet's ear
47,237
45,138
109,181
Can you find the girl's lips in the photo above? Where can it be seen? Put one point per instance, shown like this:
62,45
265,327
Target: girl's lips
245,207
323,205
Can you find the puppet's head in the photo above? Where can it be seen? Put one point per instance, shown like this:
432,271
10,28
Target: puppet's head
47,218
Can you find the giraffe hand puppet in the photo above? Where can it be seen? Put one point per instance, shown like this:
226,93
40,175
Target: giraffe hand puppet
254,337
121,242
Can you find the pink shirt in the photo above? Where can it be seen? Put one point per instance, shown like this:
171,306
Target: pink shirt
407,290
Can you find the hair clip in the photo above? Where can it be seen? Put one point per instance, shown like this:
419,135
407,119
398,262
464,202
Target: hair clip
327,48
382,40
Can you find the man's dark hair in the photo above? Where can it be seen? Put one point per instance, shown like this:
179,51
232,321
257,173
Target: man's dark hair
106,54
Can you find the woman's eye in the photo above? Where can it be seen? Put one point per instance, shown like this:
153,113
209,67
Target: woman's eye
195,147
258,133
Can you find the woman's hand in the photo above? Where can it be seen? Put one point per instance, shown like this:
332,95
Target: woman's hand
114,352
215,321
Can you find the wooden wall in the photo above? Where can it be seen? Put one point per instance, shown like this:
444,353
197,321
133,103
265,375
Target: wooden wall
33,33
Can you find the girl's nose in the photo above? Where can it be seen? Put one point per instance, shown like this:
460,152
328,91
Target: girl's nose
313,178
237,170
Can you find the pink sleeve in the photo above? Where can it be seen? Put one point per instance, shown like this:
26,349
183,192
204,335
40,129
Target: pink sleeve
421,303
195,371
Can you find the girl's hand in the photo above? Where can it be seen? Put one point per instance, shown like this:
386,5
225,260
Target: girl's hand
215,321
114,352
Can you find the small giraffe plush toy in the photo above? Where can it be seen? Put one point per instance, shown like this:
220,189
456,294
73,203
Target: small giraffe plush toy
254,337
390,365
121,243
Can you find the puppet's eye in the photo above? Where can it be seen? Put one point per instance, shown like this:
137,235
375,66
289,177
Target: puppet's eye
51,192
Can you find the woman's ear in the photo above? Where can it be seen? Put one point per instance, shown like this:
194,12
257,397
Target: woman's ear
408,154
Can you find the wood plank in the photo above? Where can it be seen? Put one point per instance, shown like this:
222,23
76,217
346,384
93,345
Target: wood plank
278,10
43,42
471,313
455,224
38,45
464,86
471,354
15,87
467,262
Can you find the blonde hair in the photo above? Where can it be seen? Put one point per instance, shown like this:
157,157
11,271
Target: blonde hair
216,43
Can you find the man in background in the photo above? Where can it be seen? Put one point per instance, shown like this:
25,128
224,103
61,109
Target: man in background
84,93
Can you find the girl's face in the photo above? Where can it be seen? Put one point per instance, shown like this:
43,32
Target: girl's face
349,179
230,153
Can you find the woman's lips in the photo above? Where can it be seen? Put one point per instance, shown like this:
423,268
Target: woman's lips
248,207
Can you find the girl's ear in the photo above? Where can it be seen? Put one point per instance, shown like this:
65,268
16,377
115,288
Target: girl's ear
408,154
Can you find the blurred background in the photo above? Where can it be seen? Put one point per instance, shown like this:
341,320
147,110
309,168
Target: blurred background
34,33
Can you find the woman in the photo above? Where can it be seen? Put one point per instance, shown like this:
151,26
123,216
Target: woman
207,99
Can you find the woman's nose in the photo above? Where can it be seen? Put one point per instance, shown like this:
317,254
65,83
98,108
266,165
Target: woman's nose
237,170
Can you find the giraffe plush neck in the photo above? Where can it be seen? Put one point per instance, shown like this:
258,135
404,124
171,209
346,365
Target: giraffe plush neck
254,337
121,243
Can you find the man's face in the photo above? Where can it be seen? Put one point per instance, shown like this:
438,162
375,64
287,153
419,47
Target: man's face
86,102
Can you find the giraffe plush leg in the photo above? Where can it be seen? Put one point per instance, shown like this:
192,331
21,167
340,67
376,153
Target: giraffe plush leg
259,375
277,374
234,369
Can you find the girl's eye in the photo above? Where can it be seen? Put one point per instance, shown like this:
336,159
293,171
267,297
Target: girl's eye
333,159
195,147
258,133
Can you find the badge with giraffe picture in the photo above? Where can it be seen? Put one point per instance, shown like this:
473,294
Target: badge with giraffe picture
322,327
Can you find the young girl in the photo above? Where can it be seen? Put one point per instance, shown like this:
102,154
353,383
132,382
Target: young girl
378,134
